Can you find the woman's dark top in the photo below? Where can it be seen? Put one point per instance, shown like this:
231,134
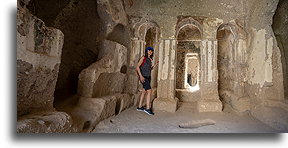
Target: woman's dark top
146,68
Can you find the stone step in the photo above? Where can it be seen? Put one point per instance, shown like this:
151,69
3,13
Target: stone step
46,122
187,106
90,111
186,95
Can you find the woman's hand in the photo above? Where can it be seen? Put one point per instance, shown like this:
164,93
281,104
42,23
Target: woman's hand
155,65
142,79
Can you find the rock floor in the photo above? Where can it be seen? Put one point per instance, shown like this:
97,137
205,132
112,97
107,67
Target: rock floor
132,121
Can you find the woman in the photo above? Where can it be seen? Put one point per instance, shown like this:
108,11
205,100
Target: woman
144,68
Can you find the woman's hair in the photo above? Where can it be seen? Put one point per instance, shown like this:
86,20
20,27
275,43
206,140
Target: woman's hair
146,54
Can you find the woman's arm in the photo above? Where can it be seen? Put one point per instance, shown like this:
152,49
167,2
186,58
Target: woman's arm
138,69
154,65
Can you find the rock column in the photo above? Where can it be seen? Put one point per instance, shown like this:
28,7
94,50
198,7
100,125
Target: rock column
166,99
209,101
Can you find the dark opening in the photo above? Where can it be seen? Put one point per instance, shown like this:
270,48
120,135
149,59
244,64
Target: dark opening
189,79
47,10
118,105
80,25
86,125
150,37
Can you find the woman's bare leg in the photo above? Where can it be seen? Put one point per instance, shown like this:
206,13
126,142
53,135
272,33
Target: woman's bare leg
141,98
148,96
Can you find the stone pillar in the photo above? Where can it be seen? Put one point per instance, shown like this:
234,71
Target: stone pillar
240,101
240,61
135,53
142,48
209,81
138,50
155,69
166,99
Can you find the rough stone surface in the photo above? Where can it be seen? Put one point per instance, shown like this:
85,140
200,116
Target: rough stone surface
136,98
165,122
239,104
210,106
264,75
109,84
169,105
124,101
131,84
35,88
185,95
38,59
112,13
275,103
89,111
115,21
153,93
166,11
116,52
88,76
260,13
47,122
226,65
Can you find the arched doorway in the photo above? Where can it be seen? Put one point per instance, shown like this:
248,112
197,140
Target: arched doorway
150,41
188,62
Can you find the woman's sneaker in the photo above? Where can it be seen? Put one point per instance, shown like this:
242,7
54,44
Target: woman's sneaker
140,109
148,111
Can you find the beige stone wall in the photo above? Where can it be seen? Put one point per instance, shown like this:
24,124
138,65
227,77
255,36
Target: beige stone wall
264,74
165,12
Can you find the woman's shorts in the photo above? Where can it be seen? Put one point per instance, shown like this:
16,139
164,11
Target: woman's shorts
146,83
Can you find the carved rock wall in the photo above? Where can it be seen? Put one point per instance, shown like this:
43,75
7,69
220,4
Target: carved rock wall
38,58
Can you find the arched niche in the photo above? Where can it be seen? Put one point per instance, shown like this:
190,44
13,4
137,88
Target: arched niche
189,22
139,29
145,33
230,61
